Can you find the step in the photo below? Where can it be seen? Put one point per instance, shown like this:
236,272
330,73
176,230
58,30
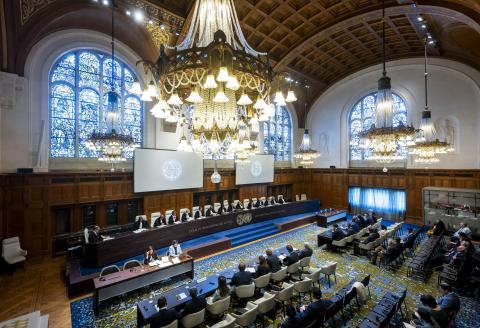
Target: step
251,232
247,239
253,227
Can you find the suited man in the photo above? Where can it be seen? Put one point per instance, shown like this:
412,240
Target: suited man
273,261
337,233
316,309
94,235
221,209
150,255
159,221
272,201
449,301
238,206
185,216
372,235
209,212
175,250
241,277
172,218
293,320
249,206
361,221
306,251
197,214
257,204
164,316
229,208
265,203
281,200
141,223
408,239
292,256
196,304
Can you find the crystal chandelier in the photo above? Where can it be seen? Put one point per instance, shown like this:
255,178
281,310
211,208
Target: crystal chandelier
427,146
111,145
217,82
383,139
306,154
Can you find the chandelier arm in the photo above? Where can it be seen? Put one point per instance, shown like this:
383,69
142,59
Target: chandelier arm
383,40
426,76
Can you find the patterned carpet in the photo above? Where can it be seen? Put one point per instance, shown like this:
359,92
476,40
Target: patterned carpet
121,312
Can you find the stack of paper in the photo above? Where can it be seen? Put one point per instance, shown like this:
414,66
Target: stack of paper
176,260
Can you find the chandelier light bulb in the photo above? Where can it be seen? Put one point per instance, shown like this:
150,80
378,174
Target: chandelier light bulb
244,100
146,96
136,88
162,104
157,111
269,110
184,145
232,83
279,99
260,104
175,100
210,82
291,96
223,75
172,118
194,97
152,90
220,97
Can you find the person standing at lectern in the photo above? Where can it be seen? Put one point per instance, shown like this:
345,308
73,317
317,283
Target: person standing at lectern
175,250
150,255
94,235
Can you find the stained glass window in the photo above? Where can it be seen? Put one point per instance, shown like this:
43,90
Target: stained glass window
362,116
78,85
278,135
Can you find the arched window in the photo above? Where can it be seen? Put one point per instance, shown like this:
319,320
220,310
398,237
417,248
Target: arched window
278,135
362,116
78,83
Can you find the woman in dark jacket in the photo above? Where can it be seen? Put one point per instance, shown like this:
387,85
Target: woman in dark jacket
263,267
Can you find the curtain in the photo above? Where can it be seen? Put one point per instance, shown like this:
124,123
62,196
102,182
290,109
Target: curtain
386,203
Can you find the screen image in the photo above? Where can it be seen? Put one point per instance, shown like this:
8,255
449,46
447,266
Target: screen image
258,170
155,170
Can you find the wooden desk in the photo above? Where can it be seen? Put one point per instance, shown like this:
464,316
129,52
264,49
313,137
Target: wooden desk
323,219
146,308
128,244
118,283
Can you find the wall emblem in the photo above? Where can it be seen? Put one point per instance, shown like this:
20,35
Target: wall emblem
172,169
256,168
244,218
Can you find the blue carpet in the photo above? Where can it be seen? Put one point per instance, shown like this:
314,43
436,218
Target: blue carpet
121,312
239,236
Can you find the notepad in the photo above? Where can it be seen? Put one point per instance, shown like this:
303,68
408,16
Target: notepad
165,259
252,270
175,260
181,296
281,257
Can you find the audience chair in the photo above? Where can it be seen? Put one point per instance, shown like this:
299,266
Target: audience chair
347,300
285,295
262,282
279,276
193,319
12,252
132,264
313,275
303,287
245,291
219,307
303,197
265,305
109,269
304,263
292,269
153,217
338,244
174,324
366,282
248,317
333,310
329,270
228,322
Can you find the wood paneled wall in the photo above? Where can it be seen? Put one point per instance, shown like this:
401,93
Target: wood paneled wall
26,200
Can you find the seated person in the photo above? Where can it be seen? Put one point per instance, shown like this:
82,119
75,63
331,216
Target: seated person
361,221
436,312
185,216
196,304
423,319
164,316
249,206
449,301
292,256
172,218
337,233
355,224
238,206
380,252
222,291
141,223
408,239
272,201
265,203
349,231
463,229
281,200
437,229
263,267
316,309
210,212
273,261
306,251
257,204
372,235
161,220
198,214
292,320
241,277
374,217
229,208
175,250
455,256
94,235
150,255
221,209
368,219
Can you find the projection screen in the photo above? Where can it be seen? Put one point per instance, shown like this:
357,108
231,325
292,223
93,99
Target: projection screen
155,170
258,170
